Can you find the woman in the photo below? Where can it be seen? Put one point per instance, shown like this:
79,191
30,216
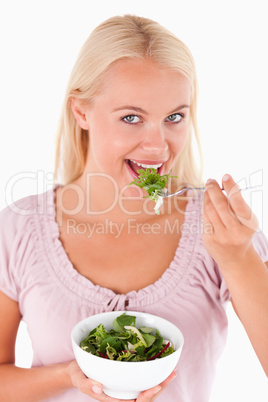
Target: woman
94,244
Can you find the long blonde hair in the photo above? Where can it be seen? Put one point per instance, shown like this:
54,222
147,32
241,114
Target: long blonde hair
121,37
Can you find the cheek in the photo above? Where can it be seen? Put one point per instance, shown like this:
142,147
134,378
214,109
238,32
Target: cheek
180,141
185,138
106,135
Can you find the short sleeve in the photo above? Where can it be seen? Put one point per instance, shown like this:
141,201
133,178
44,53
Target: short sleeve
18,240
225,295
7,254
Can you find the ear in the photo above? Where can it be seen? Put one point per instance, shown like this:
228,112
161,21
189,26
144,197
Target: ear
79,112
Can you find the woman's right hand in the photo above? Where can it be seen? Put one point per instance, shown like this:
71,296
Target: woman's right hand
94,388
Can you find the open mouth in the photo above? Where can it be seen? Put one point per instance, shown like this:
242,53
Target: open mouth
134,166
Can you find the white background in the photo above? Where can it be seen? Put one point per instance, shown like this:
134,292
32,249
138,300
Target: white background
229,41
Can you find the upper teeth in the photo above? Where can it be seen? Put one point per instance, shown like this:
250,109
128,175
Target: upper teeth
144,165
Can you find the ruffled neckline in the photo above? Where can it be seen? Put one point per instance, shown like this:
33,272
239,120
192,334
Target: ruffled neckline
78,285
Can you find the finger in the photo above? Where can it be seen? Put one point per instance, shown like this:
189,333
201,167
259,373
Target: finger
88,386
237,202
99,395
211,201
241,209
91,388
207,227
221,204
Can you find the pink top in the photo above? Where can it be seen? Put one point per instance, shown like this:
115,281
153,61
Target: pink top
53,296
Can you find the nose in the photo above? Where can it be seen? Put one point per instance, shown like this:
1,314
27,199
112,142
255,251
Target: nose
155,141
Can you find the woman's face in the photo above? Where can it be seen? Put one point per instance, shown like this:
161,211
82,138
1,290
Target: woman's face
138,119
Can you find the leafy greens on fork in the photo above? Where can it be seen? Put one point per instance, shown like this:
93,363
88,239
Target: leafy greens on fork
125,342
153,184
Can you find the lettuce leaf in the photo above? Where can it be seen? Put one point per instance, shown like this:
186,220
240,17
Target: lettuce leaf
126,342
153,184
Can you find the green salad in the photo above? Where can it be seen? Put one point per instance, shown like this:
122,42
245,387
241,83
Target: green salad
153,184
127,343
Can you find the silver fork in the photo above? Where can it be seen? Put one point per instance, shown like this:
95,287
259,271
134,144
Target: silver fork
165,193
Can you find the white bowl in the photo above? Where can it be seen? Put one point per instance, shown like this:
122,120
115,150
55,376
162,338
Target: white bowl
125,380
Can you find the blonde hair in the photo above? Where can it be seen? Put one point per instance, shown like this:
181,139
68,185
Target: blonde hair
118,38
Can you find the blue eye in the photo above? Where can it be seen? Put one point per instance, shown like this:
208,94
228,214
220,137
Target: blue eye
131,119
175,118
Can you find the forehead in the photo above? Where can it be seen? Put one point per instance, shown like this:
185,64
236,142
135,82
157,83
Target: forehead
143,79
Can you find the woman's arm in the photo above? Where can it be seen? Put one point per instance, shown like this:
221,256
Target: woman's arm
20,384
37,384
230,226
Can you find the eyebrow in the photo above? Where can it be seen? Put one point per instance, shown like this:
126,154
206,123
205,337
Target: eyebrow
140,110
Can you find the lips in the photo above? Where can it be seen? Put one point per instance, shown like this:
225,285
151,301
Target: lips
134,166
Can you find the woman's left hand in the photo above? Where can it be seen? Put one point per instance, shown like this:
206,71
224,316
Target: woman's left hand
228,222
94,389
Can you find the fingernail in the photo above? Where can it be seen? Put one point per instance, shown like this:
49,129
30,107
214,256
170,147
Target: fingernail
226,177
157,390
96,389
209,181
